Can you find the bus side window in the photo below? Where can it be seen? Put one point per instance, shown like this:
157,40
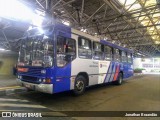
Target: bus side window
129,58
124,56
70,49
97,51
120,53
108,53
66,50
84,48
116,54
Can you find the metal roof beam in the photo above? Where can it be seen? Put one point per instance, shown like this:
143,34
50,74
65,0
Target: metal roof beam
130,15
136,36
94,13
124,17
133,28
40,4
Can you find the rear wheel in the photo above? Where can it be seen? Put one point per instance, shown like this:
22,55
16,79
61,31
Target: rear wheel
80,85
120,79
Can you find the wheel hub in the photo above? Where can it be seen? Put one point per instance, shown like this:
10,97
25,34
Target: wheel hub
79,85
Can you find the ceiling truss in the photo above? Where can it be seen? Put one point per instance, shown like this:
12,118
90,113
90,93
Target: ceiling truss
136,29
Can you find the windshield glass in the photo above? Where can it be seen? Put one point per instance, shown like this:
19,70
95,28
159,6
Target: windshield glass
36,51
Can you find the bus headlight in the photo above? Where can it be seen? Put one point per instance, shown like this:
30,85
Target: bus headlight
40,80
47,80
19,77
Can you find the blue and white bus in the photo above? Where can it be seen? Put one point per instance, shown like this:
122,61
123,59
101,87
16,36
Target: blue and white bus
58,58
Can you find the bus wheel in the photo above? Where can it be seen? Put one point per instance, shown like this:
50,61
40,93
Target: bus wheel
120,79
80,85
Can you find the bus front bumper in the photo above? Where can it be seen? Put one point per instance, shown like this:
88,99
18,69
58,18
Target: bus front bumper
46,88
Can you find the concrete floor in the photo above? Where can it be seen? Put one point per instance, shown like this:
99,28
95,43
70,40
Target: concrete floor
7,80
139,93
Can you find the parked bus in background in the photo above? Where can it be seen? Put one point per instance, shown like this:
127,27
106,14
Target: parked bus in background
58,58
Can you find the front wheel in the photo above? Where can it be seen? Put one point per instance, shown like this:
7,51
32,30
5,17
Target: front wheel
80,85
120,79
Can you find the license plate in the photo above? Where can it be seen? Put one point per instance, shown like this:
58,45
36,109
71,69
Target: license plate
29,86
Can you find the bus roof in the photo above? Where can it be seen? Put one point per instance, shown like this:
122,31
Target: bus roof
116,46
80,33
77,32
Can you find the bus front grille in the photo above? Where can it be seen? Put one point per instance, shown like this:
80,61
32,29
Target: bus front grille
34,71
30,79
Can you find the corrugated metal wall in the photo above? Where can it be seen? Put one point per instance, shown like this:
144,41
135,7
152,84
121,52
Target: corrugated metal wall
7,61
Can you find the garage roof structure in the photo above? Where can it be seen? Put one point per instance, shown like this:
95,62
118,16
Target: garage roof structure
134,24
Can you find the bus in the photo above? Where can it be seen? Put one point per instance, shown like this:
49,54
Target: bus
58,58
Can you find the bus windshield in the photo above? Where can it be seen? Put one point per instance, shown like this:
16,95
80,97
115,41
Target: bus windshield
36,51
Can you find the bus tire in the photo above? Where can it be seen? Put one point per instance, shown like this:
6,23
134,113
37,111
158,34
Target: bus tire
79,85
120,79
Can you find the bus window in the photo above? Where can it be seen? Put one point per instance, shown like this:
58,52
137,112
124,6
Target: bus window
84,48
129,58
66,51
120,53
116,55
108,53
124,56
97,51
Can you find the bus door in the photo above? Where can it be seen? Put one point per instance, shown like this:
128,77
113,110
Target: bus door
130,65
65,54
124,64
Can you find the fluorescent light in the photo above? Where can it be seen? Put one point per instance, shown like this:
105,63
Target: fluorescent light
13,9
1,49
82,29
129,3
139,53
41,30
62,11
157,42
45,37
152,28
66,23
37,20
135,6
85,30
30,27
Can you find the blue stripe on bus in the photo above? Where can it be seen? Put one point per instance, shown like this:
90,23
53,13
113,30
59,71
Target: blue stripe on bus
113,72
111,69
109,72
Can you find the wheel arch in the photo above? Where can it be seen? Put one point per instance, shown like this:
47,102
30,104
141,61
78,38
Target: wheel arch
85,75
121,73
